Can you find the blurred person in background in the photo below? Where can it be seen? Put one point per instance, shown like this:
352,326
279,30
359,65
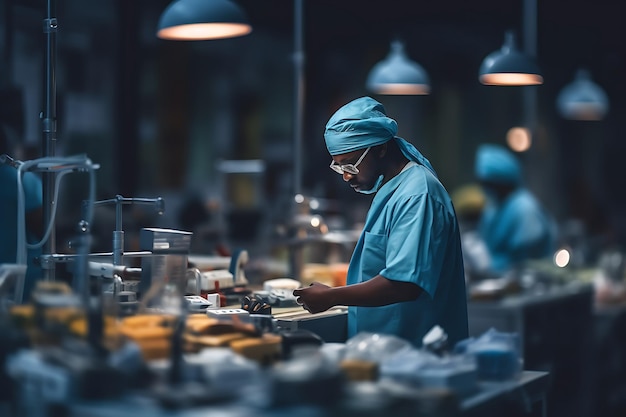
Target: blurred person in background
406,272
514,225
33,200
469,202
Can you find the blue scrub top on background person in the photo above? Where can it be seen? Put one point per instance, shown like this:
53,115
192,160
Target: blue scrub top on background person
514,225
410,241
33,201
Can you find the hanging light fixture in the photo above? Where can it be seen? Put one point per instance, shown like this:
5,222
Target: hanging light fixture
582,99
509,66
397,74
191,20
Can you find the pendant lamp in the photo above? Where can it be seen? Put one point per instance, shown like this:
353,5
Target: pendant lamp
582,99
509,66
397,74
190,20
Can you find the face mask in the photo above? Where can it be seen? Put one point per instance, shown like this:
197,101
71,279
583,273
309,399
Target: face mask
375,188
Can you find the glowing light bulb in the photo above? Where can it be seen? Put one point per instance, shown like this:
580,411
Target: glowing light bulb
562,258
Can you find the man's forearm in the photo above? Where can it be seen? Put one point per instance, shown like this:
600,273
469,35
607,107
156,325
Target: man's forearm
378,291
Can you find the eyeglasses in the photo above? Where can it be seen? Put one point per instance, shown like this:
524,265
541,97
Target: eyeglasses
349,168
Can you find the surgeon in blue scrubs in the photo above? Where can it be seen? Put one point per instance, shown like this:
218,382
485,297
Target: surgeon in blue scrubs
514,225
406,273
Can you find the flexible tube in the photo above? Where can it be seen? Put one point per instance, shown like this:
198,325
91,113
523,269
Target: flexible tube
64,165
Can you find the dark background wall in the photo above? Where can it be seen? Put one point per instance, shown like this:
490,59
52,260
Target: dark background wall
158,115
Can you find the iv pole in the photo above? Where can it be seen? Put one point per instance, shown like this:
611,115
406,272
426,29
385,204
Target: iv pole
298,94
296,255
49,138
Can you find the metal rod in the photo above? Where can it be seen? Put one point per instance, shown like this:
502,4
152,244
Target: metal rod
298,94
8,24
59,257
530,49
49,137
118,233
296,253
529,93
530,27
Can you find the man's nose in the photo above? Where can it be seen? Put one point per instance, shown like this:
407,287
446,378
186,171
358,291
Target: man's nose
347,176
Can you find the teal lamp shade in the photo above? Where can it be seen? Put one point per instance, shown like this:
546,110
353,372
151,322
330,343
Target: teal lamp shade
397,74
191,20
509,66
582,99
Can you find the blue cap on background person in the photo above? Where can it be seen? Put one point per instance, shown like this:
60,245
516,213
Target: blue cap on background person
494,163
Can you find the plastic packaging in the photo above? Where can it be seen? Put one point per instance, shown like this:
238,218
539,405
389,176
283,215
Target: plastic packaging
497,355
11,281
374,347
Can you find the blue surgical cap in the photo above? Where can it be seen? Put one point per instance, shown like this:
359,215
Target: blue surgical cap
496,164
363,123
358,125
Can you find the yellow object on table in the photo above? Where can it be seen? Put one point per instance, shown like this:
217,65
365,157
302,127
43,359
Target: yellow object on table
333,275
266,349
359,370
151,332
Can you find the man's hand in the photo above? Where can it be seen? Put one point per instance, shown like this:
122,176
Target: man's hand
315,298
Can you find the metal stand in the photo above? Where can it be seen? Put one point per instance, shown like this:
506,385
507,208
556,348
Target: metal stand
298,59
296,255
118,233
49,124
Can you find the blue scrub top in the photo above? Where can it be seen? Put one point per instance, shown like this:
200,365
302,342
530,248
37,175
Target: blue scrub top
411,234
33,199
516,230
